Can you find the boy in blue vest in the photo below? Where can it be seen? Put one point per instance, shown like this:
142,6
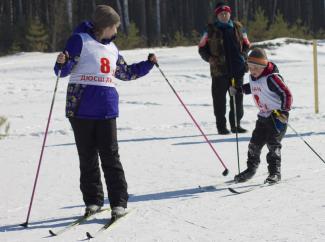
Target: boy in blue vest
93,62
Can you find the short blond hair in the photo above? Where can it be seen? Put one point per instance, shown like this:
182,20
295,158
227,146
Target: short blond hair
103,17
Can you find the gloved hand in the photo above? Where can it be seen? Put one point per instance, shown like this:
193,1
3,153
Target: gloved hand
152,58
281,115
212,60
232,91
62,58
280,119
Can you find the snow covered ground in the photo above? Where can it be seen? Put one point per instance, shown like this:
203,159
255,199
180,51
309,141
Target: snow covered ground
164,156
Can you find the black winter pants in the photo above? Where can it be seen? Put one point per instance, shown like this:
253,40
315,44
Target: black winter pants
266,133
98,138
220,86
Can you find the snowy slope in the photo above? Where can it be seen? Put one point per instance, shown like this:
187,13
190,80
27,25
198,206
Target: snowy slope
164,156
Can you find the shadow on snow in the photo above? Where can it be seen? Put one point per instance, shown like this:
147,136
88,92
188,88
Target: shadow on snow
246,139
189,193
221,140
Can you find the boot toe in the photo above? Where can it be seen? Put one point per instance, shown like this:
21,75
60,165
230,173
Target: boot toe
245,175
223,131
239,130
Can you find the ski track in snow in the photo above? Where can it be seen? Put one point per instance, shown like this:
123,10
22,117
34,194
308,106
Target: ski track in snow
174,179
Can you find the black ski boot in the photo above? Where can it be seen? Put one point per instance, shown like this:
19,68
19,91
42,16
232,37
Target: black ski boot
273,178
274,173
223,131
118,212
239,130
92,209
245,175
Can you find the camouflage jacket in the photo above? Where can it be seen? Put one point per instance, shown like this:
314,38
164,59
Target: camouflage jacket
212,45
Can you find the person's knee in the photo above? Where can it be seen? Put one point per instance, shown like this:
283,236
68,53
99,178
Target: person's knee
254,150
274,152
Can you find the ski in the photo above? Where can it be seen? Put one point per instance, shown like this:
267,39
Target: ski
220,186
76,222
215,187
258,186
234,191
106,226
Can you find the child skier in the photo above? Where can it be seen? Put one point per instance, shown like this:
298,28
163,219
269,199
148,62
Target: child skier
273,99
92,60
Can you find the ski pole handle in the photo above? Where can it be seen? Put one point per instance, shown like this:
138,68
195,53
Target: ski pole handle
283,118
233,83
277,113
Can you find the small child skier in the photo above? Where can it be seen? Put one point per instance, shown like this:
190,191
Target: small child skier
273,99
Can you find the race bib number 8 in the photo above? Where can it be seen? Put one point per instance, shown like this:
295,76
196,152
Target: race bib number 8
104,67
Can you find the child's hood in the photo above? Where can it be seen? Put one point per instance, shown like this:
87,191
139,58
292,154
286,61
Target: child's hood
269,69
84,27
88,28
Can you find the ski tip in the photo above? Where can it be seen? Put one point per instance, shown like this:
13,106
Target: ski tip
52,233
89,236
233,190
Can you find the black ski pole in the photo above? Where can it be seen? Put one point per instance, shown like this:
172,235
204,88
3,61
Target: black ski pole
236,122
226,171
278,114
42,150
306,143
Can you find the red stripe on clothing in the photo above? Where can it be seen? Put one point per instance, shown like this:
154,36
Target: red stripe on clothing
246,40
288,95
204,40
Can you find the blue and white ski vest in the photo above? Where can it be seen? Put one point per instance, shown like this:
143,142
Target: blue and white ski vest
97,63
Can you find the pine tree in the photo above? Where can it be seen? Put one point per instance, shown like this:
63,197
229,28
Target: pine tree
36,36
257,29
299,30
195,37
280,27
179,40
131,40
15,47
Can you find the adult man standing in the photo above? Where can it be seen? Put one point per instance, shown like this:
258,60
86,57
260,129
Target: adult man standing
224,45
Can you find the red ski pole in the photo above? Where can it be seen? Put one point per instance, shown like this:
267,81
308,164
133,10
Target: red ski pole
42,150
226,171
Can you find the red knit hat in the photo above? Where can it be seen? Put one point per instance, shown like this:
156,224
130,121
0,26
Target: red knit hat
221,7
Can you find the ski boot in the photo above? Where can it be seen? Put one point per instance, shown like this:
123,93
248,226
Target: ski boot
273,178
92,209
245,175
118,212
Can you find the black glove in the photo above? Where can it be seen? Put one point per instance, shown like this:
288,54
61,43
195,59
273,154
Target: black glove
232,91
